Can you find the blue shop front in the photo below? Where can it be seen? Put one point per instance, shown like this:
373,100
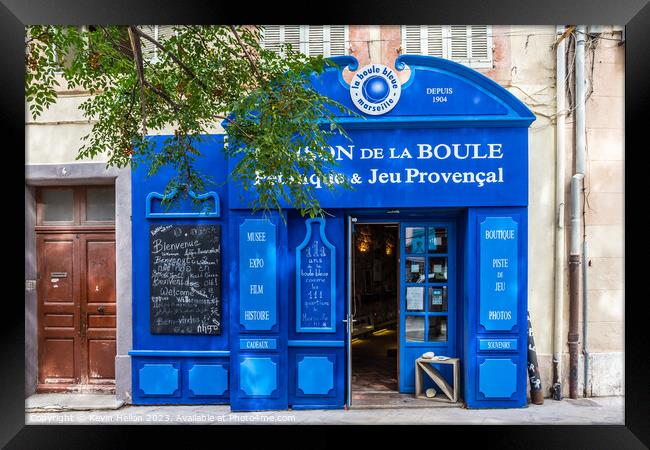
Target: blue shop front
231,307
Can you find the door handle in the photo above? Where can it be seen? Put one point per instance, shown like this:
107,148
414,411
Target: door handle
100,309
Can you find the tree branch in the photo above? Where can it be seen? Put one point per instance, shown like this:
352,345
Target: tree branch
163,95
248,56
137,57
117,44
172,56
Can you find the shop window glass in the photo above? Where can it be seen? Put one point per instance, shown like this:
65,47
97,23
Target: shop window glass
437,242
58,205
414,328
100,204
438,298
415,269
437,328
437,269
414,240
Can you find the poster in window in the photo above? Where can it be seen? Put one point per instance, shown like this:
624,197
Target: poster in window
415,298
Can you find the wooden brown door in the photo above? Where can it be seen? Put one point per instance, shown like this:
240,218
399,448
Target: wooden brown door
97,309
77,316
59,314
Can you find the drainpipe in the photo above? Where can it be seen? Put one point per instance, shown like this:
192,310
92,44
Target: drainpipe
585,348
576,190
559,204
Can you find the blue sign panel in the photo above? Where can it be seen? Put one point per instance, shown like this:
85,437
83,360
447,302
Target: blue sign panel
498,344
257,275
498,268
398,167
315,280
258,344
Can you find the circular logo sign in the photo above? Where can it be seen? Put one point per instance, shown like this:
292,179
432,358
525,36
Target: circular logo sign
375,89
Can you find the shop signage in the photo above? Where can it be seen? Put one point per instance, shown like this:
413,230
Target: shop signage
258,344
315,280
498,240
375,89
452,167
185,283
497,344
257,274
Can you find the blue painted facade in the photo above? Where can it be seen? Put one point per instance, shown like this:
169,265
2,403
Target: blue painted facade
459,164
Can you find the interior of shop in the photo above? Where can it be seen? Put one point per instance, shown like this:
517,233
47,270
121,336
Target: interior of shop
375,334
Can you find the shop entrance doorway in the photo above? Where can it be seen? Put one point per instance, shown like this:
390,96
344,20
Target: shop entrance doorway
374,308
402,304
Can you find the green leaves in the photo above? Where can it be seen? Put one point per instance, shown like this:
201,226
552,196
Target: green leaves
278,127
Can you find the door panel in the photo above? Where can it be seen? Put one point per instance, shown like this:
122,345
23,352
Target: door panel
98,308
316,354
58,312
101,360
427,296
77,315
58,361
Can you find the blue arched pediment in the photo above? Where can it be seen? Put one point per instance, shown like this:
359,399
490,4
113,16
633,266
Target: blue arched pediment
438,93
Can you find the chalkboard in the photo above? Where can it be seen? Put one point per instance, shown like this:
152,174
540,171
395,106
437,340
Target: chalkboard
315,280
185,282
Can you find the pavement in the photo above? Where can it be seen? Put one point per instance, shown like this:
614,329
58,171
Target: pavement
586,411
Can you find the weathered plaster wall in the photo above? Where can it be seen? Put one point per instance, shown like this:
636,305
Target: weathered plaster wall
604,212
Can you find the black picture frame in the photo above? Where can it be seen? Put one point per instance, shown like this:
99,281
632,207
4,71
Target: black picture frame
634,14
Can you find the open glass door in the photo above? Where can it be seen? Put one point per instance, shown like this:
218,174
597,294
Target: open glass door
373,306
428,296
348,313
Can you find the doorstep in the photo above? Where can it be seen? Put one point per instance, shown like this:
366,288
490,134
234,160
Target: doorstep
393,399
71,402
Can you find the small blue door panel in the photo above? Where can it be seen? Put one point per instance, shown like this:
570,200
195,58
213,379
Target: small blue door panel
258,376
316,328
497,378
159,379
207,380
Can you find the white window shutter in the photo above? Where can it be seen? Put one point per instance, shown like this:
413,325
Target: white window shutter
467,44
459,47
149,51
337,40
479,48
412,39
316,40
434,41
165,31
271,38
292,36
160,33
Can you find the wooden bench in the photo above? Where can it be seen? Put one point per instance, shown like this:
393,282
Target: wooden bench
425,365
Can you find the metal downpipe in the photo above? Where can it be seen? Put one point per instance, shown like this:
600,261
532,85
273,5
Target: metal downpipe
558,342
585,317
576,190
574,288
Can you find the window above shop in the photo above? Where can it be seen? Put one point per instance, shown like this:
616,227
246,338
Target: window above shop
470,45
312,40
